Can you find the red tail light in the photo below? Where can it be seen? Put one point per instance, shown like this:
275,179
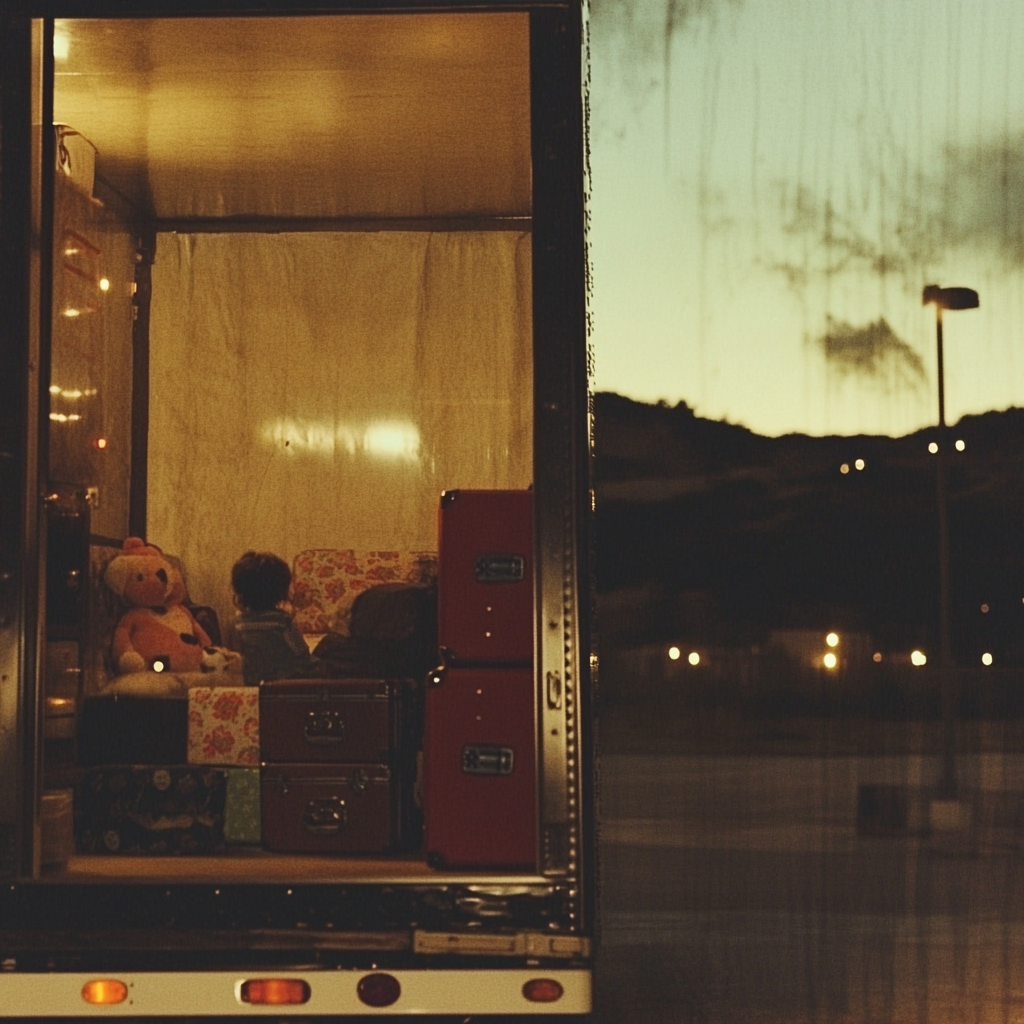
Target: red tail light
378,989
543,990
275,991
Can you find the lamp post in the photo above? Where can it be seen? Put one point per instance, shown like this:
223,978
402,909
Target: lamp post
946,298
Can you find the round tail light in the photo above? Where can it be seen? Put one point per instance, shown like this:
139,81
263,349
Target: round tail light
543,990
378,989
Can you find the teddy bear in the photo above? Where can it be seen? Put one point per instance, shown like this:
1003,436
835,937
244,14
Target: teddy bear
158,632
220,659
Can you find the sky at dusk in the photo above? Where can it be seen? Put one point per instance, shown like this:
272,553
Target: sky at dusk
774,182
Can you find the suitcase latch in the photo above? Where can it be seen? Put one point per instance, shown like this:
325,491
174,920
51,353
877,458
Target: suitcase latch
497,568
324,727
487,760
326,816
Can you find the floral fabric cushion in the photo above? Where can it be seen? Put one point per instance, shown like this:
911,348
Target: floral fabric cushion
326,581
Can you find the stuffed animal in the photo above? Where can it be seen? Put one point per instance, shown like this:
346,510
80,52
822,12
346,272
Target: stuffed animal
220,659
158,632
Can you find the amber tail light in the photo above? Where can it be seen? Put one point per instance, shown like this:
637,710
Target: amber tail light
104,992
275,991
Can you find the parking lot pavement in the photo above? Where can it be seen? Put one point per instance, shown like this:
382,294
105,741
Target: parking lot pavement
738,890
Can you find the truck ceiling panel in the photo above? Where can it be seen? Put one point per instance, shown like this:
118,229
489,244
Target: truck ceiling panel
412,115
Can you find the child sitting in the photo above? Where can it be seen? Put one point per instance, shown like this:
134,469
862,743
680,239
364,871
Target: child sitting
272,647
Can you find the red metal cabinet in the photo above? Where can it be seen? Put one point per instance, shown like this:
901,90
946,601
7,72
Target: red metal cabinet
479,771
485,576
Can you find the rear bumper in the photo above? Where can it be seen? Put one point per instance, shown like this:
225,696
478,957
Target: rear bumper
217,993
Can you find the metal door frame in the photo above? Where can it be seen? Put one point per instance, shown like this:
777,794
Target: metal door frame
561,397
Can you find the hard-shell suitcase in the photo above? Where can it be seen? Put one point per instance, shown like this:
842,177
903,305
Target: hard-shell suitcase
335,721
479,772
321,808
124,729
485,577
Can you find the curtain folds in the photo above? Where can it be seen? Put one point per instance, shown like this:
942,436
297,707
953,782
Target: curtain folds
321,390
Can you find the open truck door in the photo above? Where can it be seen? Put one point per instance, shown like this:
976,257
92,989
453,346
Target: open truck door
278,276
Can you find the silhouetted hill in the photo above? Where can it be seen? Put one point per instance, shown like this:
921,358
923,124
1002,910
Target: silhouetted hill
731,533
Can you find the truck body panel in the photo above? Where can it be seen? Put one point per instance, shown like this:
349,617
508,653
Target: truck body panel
320,263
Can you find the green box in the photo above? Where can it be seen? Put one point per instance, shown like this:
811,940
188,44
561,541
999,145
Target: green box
242,807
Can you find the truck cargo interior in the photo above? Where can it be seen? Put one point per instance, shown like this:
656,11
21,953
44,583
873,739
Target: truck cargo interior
291,306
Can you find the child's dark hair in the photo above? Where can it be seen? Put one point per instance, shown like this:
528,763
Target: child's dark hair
261,580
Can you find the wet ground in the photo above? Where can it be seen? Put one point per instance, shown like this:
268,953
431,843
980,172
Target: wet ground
737,889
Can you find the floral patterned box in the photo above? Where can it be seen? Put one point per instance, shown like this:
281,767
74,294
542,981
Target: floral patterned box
224,725
151,809
242,807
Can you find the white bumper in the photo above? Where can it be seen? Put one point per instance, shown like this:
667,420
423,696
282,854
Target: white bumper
210,993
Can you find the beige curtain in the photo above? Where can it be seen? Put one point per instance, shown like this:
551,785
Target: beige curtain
322,389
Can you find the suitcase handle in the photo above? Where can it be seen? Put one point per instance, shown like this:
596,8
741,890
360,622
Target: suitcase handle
487,759
324,727
326,816
496,567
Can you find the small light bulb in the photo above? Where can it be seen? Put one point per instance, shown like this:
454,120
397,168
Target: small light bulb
104,284
877,656
844,468
932,447
917,658
674,652
830,660
832,639
986,658
694,658
960,446
859,464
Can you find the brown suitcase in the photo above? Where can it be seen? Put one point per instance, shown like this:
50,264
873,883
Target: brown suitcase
319,808
331,721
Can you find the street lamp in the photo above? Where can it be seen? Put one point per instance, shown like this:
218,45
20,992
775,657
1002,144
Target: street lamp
946,298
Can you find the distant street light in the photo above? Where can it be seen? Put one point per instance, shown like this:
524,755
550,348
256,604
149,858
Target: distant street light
945,298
